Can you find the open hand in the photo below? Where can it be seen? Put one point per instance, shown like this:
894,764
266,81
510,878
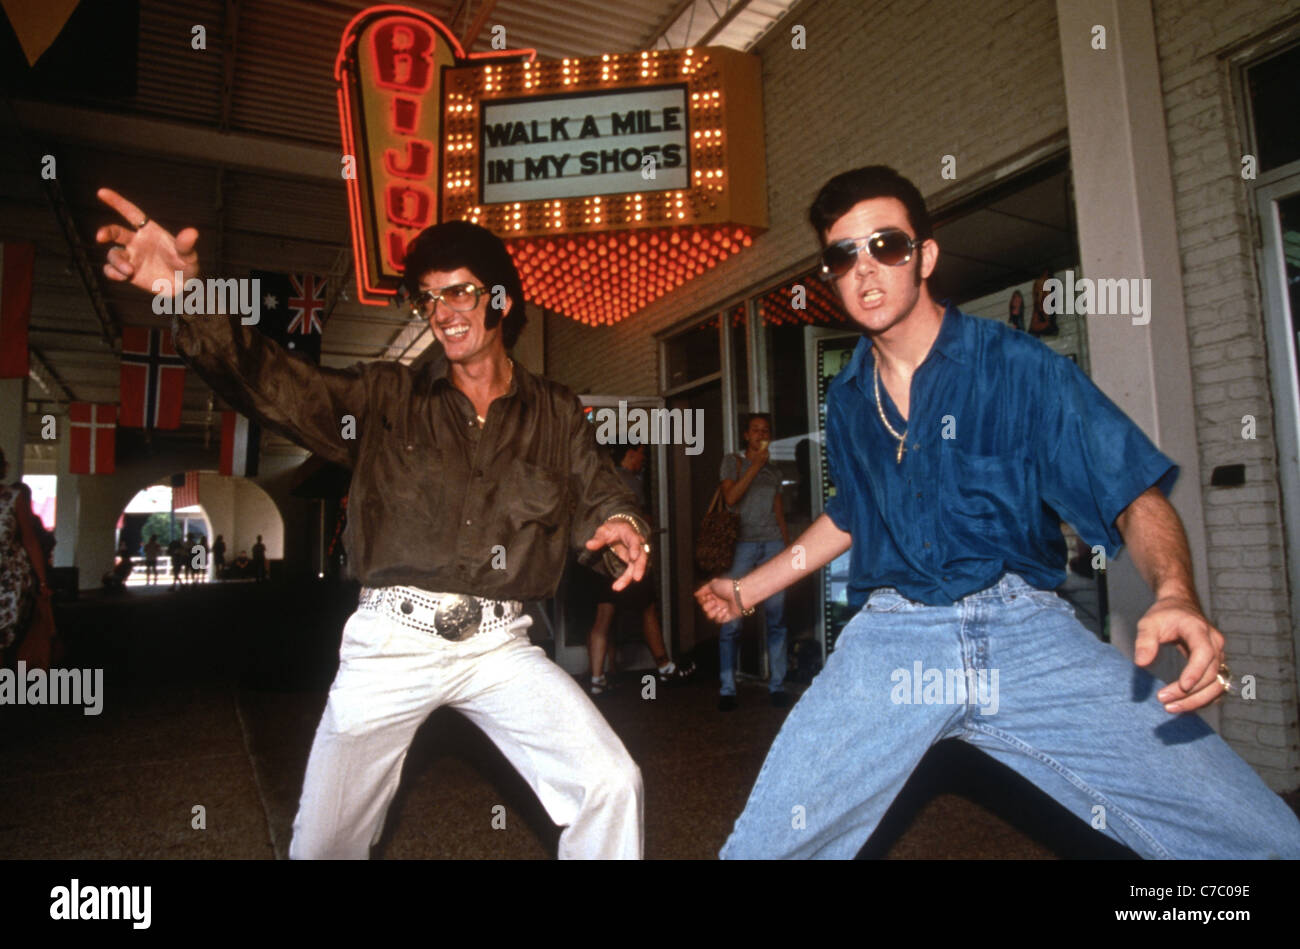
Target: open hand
145,253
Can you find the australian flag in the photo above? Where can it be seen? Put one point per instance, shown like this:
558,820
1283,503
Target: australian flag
293,311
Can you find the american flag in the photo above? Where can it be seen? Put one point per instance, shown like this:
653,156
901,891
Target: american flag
185,490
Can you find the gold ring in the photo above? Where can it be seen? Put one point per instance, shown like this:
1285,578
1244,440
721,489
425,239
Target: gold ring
1224,678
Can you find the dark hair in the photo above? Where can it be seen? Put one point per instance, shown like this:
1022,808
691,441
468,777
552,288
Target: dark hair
454,244
838,196
749,419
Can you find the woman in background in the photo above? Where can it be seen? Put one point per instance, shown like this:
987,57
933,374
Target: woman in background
26,620
753,490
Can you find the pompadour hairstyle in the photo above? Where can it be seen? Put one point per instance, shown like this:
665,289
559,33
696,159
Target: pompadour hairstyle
838,196
455,244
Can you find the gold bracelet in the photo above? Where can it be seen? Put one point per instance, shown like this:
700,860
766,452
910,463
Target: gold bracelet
735,588
636,526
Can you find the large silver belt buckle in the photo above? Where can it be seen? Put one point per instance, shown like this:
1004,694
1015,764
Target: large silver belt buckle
457,616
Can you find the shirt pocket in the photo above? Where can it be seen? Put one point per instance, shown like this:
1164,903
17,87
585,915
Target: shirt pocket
535,496
985,495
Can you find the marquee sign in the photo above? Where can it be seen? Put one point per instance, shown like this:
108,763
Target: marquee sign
613,179
582,144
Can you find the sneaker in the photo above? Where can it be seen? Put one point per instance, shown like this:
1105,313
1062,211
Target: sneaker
780,700
676,673
726,703
599,686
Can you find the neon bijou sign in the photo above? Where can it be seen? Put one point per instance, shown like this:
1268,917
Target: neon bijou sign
613,179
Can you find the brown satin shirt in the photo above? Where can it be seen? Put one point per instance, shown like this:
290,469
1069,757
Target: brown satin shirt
436,501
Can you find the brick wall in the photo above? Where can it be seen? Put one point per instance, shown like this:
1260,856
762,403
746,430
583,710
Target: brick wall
1248,580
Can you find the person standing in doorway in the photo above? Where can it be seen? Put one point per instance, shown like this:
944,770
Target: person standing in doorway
151,551
218,557
259,560
176,551
752,487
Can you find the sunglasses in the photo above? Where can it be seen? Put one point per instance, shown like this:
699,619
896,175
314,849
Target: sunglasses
891,246
459,296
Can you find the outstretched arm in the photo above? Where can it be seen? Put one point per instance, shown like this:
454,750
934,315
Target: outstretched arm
1155,539
822,542
304,402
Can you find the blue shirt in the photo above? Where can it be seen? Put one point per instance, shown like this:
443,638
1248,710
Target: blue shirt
1005,439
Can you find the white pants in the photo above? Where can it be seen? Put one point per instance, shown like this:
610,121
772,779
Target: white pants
391,677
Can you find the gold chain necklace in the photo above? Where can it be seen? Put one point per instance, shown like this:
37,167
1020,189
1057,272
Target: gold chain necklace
875,375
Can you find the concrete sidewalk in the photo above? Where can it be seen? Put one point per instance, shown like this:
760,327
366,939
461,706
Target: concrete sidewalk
212,695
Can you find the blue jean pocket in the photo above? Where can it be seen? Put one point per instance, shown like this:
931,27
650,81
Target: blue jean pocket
886,601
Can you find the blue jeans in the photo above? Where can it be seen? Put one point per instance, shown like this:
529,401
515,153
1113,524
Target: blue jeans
1010,670
749,554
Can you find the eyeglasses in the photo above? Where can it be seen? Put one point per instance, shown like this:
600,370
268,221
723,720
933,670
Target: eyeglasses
459,296
891,246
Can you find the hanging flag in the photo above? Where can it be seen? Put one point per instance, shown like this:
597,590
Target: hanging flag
293,311
38,25
94,438
16,264
185,490
153,379
241,440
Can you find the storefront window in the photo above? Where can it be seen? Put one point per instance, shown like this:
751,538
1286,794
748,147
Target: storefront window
693,354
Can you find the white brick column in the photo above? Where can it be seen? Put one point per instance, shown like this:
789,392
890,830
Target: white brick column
1127,229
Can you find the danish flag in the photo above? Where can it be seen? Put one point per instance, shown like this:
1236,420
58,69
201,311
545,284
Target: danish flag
153,379
94,438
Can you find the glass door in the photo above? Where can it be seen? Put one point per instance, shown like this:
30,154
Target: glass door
827,352
1278,206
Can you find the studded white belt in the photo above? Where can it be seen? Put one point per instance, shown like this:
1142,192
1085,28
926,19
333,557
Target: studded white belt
453,616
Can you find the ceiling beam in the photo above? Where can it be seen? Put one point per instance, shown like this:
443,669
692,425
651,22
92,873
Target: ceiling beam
480,21
193,143
733,11
667,23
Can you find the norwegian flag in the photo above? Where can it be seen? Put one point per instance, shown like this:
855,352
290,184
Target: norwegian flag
241,439
293,310
17,262
153,379
94,438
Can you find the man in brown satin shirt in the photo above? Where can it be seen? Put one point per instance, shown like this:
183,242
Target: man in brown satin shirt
472,478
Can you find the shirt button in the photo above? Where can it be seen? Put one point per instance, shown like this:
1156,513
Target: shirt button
468,522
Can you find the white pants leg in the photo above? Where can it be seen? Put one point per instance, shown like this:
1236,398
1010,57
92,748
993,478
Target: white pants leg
392,677
548,728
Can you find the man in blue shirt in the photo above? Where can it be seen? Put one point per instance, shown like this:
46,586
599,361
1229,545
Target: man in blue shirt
956,446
